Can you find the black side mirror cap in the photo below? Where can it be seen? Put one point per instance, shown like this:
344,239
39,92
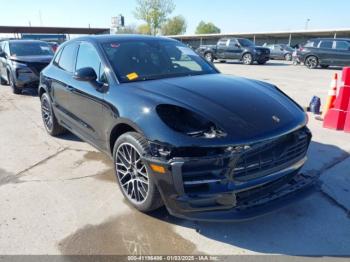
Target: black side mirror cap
2,54
87,74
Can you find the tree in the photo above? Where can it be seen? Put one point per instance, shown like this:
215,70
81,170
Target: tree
175,26
144,29
154,12
207,28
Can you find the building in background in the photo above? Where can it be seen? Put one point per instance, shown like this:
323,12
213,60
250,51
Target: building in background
291,38
59,38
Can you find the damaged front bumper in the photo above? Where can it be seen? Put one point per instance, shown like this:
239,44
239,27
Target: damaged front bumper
218,188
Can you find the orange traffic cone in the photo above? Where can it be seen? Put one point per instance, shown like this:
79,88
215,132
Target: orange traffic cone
332,94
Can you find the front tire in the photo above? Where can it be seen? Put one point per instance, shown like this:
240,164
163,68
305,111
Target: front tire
133,175
50,122
247,59
12,84
311,62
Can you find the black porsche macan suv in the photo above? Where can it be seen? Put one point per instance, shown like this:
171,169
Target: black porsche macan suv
208,146
21,62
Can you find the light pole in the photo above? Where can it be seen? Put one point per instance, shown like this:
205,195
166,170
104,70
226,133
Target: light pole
307,23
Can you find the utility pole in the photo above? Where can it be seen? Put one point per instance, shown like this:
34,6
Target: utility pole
40,18
307,23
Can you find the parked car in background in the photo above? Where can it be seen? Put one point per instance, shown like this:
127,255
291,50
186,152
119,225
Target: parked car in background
325,52
208,146
21,62
54,46
235,49
280,51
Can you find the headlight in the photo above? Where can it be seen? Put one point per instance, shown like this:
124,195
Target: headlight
258,52
187,122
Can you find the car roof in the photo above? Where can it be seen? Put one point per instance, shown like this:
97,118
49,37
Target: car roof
126,37
25,40
330,39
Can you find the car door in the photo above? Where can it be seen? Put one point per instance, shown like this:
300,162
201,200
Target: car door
234,49
3,61
326,53
61,83
221,48
272,50
86,98
279,51
342,53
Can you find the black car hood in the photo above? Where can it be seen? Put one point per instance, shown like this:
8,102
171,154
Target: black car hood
243,108
32,59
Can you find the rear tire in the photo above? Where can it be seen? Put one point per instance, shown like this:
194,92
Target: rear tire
262,62
247,59
288,57
133,175
50,122
222,61
311,62
3,81
209,57
12,84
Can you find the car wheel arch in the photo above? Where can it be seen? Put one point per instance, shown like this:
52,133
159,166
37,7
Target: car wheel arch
41,91
123,126
246,52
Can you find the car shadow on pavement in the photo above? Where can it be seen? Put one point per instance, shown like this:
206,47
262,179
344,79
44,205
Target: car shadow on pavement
30,92
70,137
313,226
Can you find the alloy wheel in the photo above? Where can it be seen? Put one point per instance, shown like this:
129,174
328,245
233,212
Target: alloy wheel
247,59
132,173
288,57
46,113
311,62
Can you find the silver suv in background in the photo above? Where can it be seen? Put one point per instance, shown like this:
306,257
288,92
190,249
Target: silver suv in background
280,51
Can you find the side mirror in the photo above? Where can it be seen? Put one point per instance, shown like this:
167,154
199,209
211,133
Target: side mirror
87,74
2,54
237,45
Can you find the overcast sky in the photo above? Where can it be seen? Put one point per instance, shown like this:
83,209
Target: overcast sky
229,15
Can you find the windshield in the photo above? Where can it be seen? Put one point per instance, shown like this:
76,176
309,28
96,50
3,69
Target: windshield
135,60
245,42
29,49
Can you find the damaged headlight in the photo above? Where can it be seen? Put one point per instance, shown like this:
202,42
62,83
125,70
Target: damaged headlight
187,122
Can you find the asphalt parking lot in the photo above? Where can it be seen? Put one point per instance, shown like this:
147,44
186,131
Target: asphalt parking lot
59,195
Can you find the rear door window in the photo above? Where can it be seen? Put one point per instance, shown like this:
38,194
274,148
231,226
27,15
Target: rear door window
326,44
222,42
342,45
310,44
67,59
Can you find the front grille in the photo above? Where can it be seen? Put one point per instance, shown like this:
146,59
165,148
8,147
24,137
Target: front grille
264,158
271,154
37,67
